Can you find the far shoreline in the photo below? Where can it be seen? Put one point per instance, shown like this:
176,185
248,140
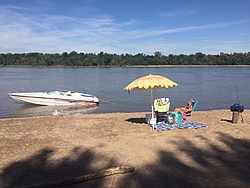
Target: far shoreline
130,66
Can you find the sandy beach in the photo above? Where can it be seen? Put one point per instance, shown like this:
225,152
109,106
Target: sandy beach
41,150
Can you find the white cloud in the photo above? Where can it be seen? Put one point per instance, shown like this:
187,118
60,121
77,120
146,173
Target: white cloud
179,13
157,32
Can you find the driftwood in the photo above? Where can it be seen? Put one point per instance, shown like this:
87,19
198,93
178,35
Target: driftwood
103,173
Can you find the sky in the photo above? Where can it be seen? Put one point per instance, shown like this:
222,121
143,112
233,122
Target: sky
125,26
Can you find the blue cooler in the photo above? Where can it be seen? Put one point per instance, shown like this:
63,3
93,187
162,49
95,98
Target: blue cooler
177,117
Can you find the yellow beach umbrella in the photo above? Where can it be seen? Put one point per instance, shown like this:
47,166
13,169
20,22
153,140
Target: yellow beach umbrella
151,82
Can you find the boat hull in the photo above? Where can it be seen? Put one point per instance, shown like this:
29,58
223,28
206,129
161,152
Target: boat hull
56,99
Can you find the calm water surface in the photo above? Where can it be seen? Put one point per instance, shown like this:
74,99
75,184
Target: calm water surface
213,87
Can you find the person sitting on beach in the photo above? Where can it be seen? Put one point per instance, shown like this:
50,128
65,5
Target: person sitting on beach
187,108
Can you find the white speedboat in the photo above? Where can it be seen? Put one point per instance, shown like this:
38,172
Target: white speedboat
56,98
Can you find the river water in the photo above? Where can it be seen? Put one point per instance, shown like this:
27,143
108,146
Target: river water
213,87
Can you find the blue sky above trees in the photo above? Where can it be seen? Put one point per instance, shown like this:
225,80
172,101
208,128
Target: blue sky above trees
138,26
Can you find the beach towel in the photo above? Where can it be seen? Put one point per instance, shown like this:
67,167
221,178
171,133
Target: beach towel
162,126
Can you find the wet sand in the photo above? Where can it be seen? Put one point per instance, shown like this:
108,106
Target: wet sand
48,149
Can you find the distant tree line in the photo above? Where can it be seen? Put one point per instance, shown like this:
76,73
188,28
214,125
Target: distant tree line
113,60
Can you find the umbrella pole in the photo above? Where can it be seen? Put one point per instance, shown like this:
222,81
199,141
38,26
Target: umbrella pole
151,96
152,106
153,119
152,111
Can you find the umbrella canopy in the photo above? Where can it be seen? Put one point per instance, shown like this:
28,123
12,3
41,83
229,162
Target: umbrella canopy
150,82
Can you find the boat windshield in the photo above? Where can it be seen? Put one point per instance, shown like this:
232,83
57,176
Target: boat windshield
61,92
51,92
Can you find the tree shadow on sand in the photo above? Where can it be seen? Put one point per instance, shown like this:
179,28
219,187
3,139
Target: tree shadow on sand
41,169
213,167
219,165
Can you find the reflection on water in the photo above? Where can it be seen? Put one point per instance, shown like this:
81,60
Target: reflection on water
28,110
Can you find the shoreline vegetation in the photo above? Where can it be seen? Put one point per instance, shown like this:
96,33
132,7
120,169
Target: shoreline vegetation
134,66
49,149
75,59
